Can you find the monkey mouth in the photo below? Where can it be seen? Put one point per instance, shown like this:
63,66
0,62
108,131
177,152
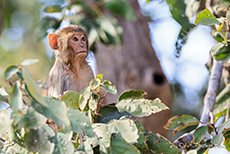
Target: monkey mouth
80,52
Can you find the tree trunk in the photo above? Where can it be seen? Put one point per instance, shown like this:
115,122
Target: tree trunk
135,66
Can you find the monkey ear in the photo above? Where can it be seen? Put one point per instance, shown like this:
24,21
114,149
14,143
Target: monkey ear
53,41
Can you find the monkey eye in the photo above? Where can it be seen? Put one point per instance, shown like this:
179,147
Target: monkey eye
75,38
83,38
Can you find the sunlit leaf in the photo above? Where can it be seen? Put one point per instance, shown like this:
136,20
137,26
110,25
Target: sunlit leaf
71,99
94,83
10,71
102,132
125,129
205,17
62,144
84,97
100,76
159,144
85,147
13,148
29,118
56,111
27,62
200,133
16,97
3,95
36,141
140,107
52,9
32,87
121,146
121,8
5,121
177,123
132,94
93,101
79,121
109,87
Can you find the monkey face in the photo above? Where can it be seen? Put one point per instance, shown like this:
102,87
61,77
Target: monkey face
78,43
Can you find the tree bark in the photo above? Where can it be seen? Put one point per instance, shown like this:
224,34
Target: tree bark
135,66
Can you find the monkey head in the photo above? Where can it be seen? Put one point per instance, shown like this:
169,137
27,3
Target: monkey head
70,43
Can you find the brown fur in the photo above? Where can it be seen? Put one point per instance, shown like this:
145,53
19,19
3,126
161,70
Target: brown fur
70,70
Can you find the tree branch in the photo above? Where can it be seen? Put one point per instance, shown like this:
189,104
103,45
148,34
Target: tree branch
209,102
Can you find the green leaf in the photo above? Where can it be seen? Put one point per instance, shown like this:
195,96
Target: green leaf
56,111
124,128
121,8
10,71
94,83
79,121
52,9
32,87
217,36
200,133
221,52
132,94
218,139
84,97
102,133
62,144
140,107
178,11
110,112
109,87
36,141
227,139
141,141
159,144
16,97
5,121
27,62
177,123
93,101
147,1
71,99
121,146
222,101
205,17
29,118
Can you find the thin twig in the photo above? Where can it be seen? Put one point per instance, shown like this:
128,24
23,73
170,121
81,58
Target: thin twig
209,102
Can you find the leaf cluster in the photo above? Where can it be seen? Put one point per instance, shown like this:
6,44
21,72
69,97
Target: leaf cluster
84,124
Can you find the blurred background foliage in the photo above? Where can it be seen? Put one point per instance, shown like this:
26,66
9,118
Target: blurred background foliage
18,41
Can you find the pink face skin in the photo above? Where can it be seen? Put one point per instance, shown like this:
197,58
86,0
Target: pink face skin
78,42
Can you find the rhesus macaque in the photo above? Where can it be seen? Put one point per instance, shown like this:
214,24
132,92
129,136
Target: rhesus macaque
70,70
